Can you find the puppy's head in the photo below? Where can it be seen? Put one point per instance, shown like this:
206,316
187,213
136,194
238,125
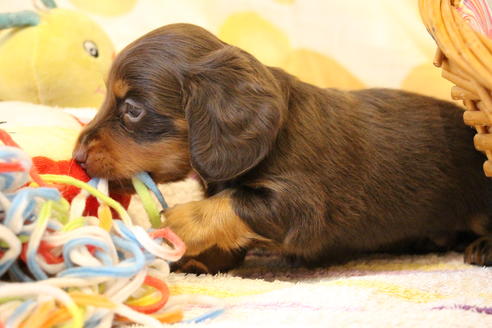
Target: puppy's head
180,99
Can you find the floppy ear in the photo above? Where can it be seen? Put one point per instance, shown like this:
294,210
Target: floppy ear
234,111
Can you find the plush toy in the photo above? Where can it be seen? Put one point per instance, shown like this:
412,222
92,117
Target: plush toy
54,57
48,135
40,130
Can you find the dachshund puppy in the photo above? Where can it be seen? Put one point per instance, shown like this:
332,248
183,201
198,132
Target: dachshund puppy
319,174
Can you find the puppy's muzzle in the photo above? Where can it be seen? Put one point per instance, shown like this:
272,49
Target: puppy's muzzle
80,155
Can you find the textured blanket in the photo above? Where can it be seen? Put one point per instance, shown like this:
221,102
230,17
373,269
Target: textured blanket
381,291
419,291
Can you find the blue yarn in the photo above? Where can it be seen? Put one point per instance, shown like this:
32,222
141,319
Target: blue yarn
126,268
19,19
96,318
93,321
28,196
8,181
13,180
53,226
149,257
17,273
68,247
33,265
18,311
93,182
105,258
125,231
47,193
128,234
28,211
132,247
5,266
8,153
149,183
206,316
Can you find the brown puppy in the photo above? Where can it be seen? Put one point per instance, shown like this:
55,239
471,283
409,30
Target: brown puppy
319,174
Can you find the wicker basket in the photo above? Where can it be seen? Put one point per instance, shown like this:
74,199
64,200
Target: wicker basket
465,57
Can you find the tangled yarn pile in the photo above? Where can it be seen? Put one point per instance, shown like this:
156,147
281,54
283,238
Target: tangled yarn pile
66,269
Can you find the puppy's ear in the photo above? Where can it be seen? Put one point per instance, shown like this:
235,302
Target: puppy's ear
234,110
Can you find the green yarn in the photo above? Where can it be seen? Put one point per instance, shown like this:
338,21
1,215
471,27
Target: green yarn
61,208
74,224
125,217
148,203
22,18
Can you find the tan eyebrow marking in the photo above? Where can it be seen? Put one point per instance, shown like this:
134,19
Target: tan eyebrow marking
120,88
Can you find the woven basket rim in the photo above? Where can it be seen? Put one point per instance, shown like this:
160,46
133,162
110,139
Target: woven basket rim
463,54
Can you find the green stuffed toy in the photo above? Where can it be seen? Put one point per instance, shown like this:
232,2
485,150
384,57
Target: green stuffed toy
54,57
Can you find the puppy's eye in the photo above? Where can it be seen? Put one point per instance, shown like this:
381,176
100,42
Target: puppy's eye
132,112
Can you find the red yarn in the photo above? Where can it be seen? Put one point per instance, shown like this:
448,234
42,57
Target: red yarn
162,288
11,167
44,250
70,167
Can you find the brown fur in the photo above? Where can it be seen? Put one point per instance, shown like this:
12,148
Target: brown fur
210,222
120,88
320,174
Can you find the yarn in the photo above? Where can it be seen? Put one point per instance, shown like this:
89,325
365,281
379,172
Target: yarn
75,270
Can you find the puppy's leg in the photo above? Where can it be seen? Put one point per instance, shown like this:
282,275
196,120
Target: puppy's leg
211,261
209,222
479,252
282,215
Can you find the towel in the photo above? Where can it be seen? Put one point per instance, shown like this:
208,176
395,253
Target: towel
435,290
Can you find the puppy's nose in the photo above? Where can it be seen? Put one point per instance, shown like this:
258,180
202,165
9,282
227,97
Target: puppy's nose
80,155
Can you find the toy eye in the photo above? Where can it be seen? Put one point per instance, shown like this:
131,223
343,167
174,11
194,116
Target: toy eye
91,48
132,112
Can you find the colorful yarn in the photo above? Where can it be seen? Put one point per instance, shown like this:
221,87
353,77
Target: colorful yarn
149,206
80,271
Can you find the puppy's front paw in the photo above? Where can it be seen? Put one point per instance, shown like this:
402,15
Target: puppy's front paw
187,222
209,222
480,252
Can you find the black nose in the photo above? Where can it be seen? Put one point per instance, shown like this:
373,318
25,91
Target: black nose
80,155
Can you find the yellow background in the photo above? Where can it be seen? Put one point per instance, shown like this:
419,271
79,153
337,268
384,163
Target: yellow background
332,43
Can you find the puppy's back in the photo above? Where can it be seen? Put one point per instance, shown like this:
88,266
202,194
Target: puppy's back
422,173
388,165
